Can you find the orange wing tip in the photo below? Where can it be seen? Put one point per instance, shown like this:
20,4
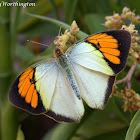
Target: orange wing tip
114,52
31,74
22,77
25,74
35,106
113,47
108,44
22,84
26,87
27,71
29,94
113,59
102,37
102,40
34,100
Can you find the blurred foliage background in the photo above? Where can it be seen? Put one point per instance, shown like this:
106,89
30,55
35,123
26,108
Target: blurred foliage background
41,23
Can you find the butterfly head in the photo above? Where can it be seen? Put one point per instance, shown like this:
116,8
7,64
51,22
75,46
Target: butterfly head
58,51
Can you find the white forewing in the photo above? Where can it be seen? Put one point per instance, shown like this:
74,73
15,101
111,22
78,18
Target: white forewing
88,56
93,85
92,73
56,92
65,103
46,76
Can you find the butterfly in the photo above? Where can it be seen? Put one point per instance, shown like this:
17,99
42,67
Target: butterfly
58,87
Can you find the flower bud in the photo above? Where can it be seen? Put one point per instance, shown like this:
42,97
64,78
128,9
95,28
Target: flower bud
138,104
108,23
131,50
128,94
135,55
137,38
108,18
125,10
128,15
136,96
74,25
116,16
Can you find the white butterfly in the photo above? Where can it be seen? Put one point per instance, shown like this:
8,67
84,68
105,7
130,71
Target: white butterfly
86,72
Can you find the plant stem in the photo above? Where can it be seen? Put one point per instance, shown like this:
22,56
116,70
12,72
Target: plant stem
128,77
65,26
9,114
9,122
5,71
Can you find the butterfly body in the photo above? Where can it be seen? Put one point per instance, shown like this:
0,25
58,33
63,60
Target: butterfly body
64,64
86,71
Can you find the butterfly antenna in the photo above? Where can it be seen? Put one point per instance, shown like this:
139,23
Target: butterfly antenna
59,33
60,29
37,43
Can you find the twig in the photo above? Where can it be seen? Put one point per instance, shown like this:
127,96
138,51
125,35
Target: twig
128,77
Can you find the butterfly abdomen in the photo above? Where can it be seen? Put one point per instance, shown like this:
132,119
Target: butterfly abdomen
64,64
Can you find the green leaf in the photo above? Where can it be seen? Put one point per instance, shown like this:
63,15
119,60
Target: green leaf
48,53
134,128
62,131
102,121
20,135
95,23
42,7
5,54
134,5
69,10
4,12
94,123
114,5
54,9
135,85
115,135
9,122
42,29
103,6
24,53
66,130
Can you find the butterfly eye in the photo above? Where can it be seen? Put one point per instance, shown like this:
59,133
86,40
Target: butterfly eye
58,51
